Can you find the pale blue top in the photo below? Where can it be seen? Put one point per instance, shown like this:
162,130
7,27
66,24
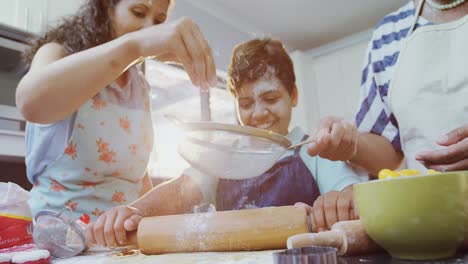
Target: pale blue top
44,143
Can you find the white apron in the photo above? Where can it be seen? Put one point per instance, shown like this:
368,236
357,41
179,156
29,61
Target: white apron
429,91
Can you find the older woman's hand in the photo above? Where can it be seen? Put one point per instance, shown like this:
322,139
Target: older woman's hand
453,157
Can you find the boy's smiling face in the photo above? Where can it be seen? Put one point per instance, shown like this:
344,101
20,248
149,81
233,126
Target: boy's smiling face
266,104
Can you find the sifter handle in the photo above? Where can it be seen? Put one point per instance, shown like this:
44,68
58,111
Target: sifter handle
205,105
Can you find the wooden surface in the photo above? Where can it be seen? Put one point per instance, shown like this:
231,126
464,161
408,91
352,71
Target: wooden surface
243,230
257,257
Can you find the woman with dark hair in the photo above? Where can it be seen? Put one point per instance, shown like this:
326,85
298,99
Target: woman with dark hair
89,130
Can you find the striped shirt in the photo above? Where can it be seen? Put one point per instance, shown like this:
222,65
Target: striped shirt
374,114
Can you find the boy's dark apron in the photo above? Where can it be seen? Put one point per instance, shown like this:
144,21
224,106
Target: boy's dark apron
287,182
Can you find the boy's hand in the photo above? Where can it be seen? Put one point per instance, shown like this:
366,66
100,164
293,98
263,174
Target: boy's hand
336,139
332,207
110,229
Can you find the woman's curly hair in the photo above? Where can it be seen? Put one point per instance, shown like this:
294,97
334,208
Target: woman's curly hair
90,27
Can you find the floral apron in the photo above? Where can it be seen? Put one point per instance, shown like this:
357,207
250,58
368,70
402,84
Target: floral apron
107,154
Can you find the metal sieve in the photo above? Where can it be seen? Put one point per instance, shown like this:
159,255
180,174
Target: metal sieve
231,151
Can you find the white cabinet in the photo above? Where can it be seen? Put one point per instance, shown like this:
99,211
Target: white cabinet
338,77
12,141
7,11
36,15
27,15
57,9
30,15
306,113
13,145
328,82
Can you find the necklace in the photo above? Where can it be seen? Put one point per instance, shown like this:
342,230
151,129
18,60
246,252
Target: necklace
446,6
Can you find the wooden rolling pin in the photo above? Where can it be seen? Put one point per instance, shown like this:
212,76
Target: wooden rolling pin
251,229
349,237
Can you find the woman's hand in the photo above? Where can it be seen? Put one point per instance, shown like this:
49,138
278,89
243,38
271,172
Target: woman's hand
336,139
181,39
110,229
332,207
452,158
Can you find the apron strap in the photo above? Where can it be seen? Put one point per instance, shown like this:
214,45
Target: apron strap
298,150
416,16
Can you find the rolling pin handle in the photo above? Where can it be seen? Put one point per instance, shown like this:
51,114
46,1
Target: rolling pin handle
323,239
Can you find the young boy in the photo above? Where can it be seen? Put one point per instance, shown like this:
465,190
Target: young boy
261,78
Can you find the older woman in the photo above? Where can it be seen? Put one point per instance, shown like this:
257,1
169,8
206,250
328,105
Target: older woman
414,90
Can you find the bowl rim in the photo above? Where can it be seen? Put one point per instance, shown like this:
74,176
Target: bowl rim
244,130
413,177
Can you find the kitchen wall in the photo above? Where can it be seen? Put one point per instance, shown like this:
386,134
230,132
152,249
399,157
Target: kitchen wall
6,13
328,79
221,36
37,15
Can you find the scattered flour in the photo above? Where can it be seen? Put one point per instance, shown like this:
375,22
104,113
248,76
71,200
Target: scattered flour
195,227
257,257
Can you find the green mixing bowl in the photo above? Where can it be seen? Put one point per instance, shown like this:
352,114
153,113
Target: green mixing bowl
416,217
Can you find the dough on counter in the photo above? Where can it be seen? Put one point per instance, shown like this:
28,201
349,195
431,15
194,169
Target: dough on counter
200,258
127,253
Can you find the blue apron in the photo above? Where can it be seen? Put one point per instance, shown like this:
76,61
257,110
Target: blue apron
289,181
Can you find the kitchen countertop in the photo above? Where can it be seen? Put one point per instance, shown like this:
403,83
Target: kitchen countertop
235,257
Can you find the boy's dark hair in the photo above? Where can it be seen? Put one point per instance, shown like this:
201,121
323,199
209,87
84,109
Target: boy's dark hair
251,60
